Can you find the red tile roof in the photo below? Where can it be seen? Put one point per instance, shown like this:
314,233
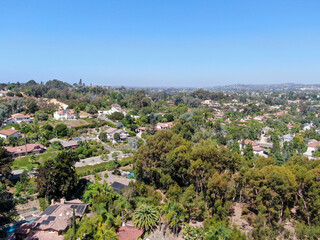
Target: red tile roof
8,132
19,115
129,233
257,149
314,144
19,149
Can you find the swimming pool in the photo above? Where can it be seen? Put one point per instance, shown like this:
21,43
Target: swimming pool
12,227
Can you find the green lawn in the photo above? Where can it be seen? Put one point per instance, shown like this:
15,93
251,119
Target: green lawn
24,163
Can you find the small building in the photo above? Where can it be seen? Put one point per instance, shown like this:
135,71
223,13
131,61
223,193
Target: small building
164,126
117,187
258,150
287,138
128,232
53,222
66,144
5,134
20,151
307,126
66,114
114,108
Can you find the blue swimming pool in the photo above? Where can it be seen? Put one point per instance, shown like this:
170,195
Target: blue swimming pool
12,227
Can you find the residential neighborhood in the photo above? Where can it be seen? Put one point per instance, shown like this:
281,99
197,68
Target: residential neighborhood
126,157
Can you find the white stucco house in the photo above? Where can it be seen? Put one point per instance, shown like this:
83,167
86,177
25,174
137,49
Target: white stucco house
18,118
67,114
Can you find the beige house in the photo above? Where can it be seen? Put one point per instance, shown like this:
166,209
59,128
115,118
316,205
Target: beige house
21,151
53,222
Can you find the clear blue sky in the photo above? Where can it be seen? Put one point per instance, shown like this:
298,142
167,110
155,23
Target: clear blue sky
160,42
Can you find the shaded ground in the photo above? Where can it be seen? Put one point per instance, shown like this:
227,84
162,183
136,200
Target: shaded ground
167,235
237,219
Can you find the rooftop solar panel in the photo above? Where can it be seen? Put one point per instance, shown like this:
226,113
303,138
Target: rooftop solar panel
49,210
51,218
80,209
45,222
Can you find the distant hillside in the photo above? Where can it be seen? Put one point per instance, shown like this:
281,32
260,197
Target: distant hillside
269,87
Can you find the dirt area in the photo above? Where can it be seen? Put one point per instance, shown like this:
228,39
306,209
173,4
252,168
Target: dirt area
111,178
237,219
76,123
29,209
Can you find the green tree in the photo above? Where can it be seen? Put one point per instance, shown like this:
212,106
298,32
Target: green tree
5,165
61,130
57,177
146,217
116,137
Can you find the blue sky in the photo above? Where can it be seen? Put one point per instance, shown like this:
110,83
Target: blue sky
160,42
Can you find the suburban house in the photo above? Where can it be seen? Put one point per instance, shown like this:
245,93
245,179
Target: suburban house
218,115
68,143
5,134
258,150
128,232
287,138
18,118
53,222
66,114
4,93
124,135
246,142
114,108
164,126
312,147
307,126
20,151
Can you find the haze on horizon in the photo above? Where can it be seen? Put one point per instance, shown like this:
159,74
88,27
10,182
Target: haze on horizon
160,43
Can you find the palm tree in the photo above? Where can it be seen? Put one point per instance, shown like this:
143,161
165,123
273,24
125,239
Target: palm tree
173,214
146,217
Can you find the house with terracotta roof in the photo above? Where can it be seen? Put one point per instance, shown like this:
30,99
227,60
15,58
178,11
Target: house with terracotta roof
246,142
20,151
258,150
54,221
65,114
312,147
164,126
18,118
5,134
128,232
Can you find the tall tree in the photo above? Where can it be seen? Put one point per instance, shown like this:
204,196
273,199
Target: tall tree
57,177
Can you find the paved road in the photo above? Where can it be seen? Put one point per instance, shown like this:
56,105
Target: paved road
89,161
107,147
102,117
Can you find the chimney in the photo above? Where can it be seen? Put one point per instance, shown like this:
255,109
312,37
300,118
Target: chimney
52,202
62,200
